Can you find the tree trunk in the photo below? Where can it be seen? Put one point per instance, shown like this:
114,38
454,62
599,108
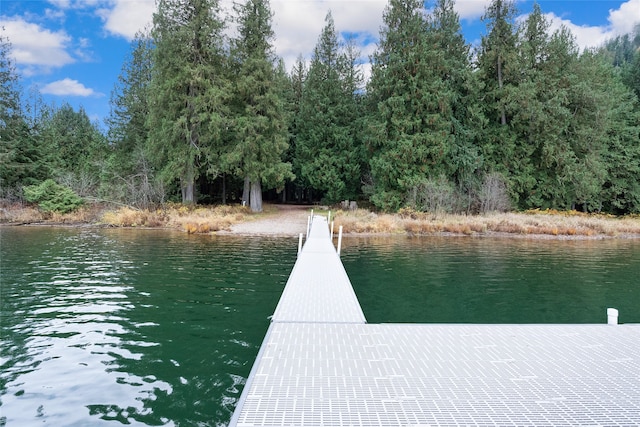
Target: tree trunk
188,192
503,114
224,189
245,191
188,185
256,196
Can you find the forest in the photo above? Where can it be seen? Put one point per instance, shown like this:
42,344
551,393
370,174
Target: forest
524,120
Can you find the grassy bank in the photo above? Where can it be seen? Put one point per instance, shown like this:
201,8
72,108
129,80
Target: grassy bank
531,223
207,219
191,219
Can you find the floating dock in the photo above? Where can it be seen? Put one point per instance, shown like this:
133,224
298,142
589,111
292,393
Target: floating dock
321,364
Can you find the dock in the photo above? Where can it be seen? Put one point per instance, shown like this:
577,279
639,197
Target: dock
322,364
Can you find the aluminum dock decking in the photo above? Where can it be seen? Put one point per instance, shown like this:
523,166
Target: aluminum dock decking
321,364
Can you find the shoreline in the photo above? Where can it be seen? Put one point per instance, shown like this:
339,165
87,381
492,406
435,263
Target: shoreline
291,220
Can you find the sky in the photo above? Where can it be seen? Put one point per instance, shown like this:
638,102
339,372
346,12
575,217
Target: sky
72,51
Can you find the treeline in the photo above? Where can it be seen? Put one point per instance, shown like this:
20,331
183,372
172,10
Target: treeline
525,120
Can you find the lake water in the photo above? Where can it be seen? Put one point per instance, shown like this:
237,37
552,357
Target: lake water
141,327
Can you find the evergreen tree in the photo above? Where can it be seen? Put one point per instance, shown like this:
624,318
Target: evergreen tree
497,74
130,175
260,127
188,91
538,115
297,80
460,93
624,54
328,152
410,128
18,154
79,149
607,136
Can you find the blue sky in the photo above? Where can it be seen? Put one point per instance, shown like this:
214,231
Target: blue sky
73,50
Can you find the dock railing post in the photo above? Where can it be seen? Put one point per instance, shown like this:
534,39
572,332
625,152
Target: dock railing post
308,225
612,316
300,244
329,218
339,240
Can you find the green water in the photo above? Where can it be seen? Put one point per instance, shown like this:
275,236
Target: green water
484,280
123,327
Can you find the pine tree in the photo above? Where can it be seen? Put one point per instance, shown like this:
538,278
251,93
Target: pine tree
260,126
327,148
189,90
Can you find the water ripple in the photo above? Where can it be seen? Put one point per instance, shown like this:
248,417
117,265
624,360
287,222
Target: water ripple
103,327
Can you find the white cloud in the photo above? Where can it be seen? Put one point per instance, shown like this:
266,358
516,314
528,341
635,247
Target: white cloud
54,14
624,20
470,9
297,23
127,17
62,4
68,87
35,46
586,36
75,4
621,21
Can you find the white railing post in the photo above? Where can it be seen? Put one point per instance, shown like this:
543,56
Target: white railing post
612,316
308,225
300,244
339,240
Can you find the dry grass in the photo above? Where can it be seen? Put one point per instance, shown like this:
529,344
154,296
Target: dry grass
363,221
18,214
198,219
532,223
192,219
27,214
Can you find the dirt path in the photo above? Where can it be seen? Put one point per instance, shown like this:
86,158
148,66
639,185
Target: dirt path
289,220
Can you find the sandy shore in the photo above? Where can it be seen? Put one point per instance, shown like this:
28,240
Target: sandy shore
289,220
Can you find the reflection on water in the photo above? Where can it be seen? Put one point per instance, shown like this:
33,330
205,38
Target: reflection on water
136,328
126,327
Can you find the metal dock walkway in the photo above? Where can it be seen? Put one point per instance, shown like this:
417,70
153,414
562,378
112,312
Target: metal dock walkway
321,365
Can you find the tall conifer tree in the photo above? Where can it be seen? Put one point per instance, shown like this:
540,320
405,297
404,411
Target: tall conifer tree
327,147
410,128
23,158
187,106
497,71
460,94
129,164
260,127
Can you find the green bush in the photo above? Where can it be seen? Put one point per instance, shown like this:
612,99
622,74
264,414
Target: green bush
52,197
